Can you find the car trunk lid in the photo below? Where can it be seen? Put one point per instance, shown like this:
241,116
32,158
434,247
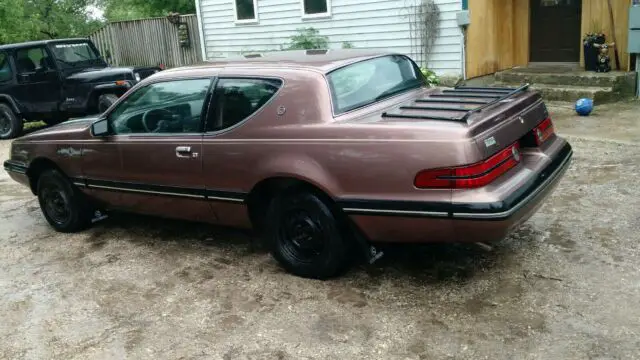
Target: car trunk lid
494,117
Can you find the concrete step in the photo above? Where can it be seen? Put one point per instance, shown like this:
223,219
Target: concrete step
599,94
572,78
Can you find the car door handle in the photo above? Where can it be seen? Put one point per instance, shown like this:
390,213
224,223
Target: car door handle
183,151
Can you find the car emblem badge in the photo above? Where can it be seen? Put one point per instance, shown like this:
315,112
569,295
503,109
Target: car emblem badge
489,141
281,110
516,153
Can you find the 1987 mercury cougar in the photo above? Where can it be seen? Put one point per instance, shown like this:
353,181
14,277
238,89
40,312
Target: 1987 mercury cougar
322,151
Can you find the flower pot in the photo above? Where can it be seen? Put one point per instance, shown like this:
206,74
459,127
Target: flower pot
591,52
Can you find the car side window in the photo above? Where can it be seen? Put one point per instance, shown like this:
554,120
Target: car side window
33,59
164,107
235,100
6,74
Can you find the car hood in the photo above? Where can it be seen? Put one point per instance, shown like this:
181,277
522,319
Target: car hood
111,73
108,73
76,129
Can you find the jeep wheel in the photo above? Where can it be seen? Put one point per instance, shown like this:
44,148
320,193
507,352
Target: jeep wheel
10,125
63,205
105,101
305,237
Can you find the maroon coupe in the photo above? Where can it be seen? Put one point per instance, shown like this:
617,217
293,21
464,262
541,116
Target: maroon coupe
322,151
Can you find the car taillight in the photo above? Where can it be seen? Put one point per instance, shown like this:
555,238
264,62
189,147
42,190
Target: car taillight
470,176
543,131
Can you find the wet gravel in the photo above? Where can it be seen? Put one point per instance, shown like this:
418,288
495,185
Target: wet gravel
566,285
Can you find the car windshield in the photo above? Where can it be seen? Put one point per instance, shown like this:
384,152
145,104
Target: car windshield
75,54
368,81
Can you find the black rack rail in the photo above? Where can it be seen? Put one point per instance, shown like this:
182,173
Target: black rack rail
459,95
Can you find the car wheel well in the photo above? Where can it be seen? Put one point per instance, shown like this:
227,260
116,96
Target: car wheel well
36,168
10,105
95,96
264,192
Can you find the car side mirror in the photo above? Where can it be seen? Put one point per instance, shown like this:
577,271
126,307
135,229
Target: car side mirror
100,128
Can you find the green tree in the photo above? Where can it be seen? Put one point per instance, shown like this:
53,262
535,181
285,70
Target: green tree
61,18
116,10
24,20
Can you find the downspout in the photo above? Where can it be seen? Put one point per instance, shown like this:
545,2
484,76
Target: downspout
203,47
463,31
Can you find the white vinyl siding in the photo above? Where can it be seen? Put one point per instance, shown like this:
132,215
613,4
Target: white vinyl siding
374,24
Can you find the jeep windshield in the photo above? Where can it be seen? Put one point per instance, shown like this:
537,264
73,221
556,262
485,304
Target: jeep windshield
369,81
75,55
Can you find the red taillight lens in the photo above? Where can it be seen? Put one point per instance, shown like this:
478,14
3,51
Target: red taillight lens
543,131
436,178
471,176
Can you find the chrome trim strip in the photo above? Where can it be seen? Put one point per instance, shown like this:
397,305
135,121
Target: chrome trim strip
146,191
10,166
224,199
397,212
504,214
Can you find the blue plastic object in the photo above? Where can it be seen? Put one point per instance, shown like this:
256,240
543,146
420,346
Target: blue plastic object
584,106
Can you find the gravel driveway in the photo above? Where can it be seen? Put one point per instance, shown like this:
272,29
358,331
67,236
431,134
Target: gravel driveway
566,285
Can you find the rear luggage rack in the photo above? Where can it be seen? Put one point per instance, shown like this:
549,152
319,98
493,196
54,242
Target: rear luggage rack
459,95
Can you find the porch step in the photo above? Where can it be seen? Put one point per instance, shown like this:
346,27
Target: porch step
571,85
599,94
573,78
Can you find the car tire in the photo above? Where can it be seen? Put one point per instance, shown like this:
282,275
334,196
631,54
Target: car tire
105,101
63,205
305,236
10,124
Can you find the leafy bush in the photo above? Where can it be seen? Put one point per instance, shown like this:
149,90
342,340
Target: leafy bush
307,39
430,75
347,45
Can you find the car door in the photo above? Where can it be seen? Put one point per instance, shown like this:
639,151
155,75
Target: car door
156,134
236,100
39,87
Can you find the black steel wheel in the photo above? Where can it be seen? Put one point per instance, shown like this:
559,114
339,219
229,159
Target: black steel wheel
305,236
63,205
10,125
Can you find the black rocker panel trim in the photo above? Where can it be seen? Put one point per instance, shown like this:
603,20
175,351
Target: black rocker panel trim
162,190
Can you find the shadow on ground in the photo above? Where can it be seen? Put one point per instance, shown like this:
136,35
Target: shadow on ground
425,263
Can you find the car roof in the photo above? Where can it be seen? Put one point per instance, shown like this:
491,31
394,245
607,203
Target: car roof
39,43
319,60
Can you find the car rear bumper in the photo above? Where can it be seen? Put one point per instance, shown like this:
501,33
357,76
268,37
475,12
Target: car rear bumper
458,221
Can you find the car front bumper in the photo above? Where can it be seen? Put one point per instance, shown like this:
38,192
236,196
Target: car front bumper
414,221
17,171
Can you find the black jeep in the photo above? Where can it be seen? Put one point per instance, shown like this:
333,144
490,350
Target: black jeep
54,80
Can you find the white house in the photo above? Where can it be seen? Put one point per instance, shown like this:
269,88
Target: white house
233,27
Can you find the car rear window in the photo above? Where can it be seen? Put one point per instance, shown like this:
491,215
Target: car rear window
369,81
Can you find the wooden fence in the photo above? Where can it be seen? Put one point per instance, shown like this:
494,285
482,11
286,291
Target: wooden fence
150,42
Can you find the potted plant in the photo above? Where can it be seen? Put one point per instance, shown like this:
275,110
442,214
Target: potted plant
591,51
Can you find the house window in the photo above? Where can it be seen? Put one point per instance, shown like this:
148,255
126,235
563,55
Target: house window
316,8
246,10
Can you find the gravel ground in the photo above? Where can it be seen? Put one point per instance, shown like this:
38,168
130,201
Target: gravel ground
566,285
